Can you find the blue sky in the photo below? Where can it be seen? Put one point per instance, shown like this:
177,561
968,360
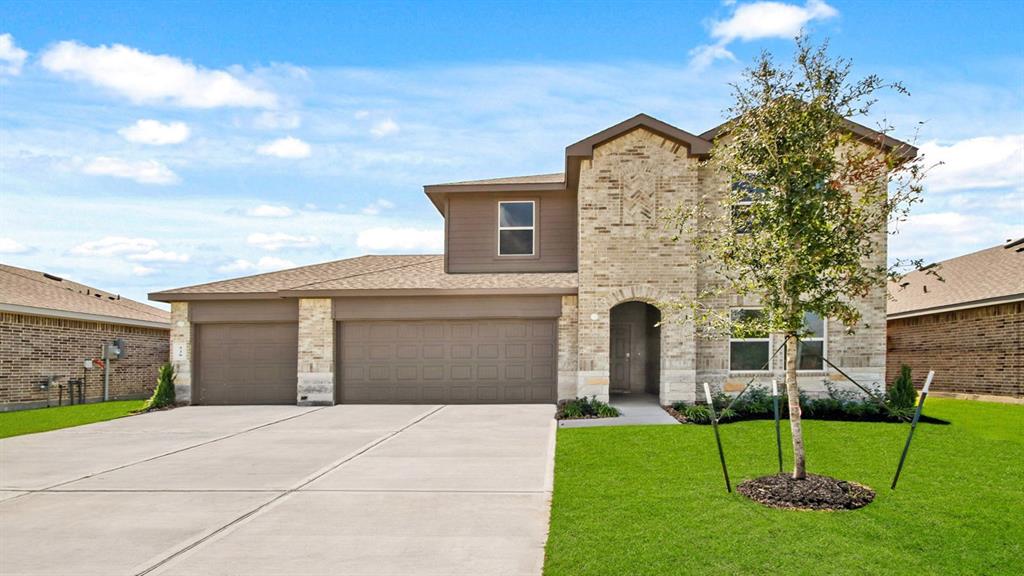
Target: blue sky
152,145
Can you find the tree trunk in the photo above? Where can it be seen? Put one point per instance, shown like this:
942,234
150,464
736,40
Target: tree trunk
793,392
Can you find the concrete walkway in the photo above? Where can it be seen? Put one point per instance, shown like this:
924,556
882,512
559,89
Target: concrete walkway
282,490
636,410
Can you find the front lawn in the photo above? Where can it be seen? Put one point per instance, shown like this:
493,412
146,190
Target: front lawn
651,499
43,419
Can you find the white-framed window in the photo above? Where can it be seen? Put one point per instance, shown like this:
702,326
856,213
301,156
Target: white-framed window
812,345
751,353
517,233
740,216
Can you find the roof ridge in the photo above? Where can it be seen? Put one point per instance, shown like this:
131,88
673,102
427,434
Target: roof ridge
367,273
120,301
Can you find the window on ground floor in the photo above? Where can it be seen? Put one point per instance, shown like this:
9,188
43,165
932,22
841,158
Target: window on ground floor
812,345
750,352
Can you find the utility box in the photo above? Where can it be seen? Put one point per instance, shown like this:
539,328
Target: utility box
116,350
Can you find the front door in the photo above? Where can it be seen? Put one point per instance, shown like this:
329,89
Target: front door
620,369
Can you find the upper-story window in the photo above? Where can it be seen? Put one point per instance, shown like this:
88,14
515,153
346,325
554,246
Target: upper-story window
747,194
516,230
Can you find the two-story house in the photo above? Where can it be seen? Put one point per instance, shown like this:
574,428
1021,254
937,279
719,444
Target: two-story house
548,288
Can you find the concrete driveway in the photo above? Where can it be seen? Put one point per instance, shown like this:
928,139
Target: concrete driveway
282,490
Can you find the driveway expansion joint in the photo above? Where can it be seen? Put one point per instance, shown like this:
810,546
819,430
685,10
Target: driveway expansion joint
285,493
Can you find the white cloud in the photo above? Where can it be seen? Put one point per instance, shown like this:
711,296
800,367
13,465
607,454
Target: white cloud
273,120
12,246
410,239
155,132
269,211
11,57
264,264
159,256
288,147
141,171
279,240
758,20
151,78
136,249
984,162
940,235
377,205
385,128
115,246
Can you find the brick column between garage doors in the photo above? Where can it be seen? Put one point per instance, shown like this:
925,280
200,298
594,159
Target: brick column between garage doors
181,351
316,352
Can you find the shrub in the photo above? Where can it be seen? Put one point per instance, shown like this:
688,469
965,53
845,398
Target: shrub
902,394
585,408
163,395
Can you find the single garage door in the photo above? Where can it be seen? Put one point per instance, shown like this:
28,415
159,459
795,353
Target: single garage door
247,363
448,361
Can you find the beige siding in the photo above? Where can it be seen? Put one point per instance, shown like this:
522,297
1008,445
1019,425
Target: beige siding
472,233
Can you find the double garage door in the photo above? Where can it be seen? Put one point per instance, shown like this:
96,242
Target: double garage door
384,362
447,361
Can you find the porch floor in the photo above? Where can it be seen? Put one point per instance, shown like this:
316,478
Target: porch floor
636,409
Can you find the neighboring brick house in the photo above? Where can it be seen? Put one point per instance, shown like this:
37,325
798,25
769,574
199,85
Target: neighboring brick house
49,326
549,287
965,322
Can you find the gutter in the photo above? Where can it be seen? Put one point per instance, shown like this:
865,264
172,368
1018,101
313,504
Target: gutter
67,314
954,307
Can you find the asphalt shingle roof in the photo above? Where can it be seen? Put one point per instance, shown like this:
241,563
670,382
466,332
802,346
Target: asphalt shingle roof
996,272
24,287
407,272
554,178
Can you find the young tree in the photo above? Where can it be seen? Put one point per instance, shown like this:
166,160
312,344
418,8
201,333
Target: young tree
802,225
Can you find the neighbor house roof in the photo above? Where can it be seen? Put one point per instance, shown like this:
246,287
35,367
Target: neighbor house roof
991,276
374,275
25,291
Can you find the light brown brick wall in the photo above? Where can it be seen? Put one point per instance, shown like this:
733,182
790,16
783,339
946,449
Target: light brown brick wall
34,347
316,352
625,190
974,351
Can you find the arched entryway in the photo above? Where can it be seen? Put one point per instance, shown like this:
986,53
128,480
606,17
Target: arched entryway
635,349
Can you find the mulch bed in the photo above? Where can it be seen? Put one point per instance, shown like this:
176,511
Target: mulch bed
675,414
812,493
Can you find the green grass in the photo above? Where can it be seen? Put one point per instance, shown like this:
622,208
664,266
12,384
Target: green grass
651,500
44,419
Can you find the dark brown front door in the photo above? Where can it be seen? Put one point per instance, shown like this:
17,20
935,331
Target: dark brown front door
620,358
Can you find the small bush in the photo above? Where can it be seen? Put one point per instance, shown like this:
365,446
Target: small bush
756,404
902,394
163,395
585,408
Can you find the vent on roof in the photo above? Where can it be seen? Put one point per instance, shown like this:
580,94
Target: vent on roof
1011,243
52,277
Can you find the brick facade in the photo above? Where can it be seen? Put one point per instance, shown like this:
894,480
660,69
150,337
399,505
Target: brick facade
316,352
973,351
33,348
625,190
181,351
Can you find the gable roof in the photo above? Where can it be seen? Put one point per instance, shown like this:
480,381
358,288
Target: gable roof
397,275
25,291
696,145
990,276
860,131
